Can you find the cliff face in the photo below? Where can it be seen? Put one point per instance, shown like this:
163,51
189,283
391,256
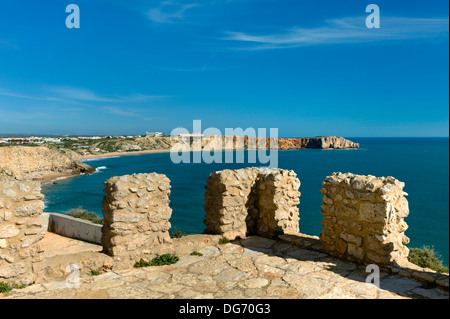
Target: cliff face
325,142
329,142
36,163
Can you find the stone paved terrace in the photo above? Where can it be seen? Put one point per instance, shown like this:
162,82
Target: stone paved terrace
56,245
252,268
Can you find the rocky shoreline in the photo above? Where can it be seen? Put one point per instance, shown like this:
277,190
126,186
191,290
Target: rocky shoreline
44,164
38,163
283,144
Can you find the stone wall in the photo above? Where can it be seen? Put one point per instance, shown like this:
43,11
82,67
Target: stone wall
21,221
136,217
278,197
229,200
363,219
252,201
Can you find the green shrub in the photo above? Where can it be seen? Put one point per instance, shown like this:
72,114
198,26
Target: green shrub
22,286
196,253
5,287
177,233
426,257
162,260
84,214
223,241
94,272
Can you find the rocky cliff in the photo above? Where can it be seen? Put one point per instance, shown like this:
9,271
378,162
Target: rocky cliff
321,142
166,143
37,163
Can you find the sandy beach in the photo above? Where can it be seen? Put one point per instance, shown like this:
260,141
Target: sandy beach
50,178
114,154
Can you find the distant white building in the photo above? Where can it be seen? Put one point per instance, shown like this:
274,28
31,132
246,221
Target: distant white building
52,140
134,148
153,134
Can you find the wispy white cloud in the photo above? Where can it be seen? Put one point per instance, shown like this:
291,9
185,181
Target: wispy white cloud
5,92
346,30
197,69
78,94
123,112
81,94
23,115
75,95
55,113
169,12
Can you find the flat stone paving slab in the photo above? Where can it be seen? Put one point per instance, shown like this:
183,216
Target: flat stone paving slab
56,245
248,269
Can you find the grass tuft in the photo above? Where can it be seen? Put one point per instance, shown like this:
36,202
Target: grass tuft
5,287
162,260
196,253
176,233
94,272
223,241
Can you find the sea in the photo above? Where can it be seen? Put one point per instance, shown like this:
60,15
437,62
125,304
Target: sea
422,163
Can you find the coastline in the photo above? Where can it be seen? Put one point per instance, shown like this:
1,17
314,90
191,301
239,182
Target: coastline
120,154
55,176
50,178
117,154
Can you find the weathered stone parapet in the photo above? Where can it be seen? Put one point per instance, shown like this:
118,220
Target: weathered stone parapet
363,218
136,217
252,201
230,202
21,221
278,197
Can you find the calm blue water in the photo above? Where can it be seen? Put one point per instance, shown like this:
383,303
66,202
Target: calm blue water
422,163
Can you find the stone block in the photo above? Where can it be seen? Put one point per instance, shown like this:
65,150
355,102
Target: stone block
136,217
21,220
363,218
252,201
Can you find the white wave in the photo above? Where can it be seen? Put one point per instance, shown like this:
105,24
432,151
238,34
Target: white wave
97,159
101,168
62,177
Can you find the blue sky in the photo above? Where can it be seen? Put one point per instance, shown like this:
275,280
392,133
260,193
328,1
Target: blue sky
305,67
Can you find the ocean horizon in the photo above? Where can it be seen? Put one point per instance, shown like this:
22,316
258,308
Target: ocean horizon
421,162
